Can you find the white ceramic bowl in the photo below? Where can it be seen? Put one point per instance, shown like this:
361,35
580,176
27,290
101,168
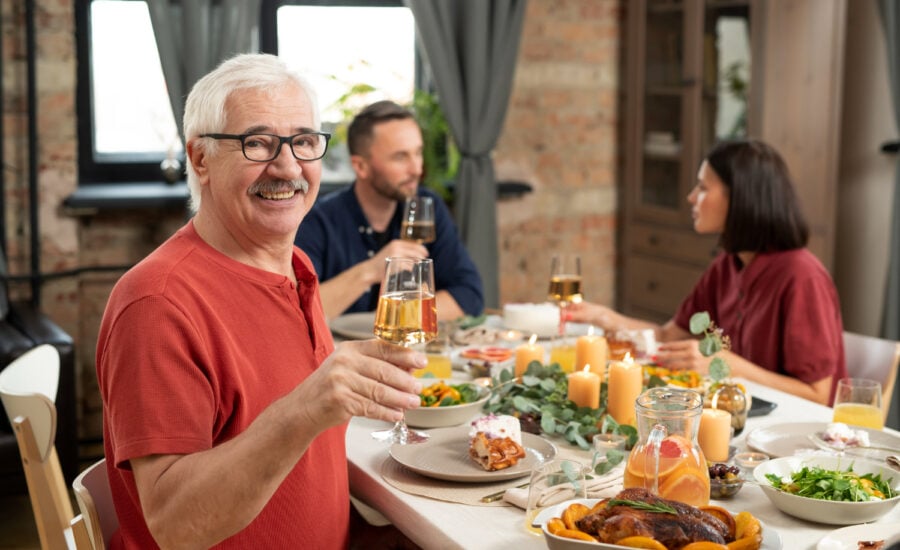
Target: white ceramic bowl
443,417
826,511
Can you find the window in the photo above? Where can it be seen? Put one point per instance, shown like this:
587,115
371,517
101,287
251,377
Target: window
352,52
126,126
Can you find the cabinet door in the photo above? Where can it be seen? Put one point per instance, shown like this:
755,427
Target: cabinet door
657,98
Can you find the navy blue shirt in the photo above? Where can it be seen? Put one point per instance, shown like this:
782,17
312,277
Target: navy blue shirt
336,235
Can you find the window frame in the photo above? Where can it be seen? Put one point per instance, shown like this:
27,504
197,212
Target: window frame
142,168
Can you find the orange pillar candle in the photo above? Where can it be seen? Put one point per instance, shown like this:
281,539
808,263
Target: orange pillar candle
592,350
715,434
526,353
584,388
626,380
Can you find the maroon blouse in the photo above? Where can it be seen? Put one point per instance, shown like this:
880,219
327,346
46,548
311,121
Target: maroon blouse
781,312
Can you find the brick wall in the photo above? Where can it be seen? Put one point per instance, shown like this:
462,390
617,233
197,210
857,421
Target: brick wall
560,136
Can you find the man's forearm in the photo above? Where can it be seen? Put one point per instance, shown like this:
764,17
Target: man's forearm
341,291
200,499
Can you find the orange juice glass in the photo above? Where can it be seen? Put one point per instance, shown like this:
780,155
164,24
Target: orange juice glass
667,460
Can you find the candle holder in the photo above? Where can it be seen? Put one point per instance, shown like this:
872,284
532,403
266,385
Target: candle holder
608,442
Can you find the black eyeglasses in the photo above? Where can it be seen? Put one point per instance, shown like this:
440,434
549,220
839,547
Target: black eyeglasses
266,147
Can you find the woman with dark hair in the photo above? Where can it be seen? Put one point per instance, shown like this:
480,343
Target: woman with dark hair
771,296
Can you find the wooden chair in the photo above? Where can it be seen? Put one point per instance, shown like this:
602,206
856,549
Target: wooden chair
875,359
28,389
96,504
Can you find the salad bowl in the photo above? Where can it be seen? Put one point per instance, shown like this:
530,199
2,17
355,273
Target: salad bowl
453,415
833,512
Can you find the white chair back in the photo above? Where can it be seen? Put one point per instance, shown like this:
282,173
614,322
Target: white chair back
28,389
96,504
875,359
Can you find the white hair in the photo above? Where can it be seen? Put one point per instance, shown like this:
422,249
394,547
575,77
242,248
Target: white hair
204,111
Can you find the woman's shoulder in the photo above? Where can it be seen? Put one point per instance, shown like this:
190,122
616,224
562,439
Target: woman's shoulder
798,258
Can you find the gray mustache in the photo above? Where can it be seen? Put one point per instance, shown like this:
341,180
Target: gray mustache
269,187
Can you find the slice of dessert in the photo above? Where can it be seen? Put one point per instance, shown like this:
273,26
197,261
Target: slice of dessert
496,442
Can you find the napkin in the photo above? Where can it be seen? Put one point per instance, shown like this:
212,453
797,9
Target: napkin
605,486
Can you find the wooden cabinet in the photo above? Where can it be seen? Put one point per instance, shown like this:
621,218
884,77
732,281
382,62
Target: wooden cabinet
698,71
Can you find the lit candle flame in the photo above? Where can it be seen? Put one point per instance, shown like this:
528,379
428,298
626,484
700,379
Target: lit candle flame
587,367
532,340
628,359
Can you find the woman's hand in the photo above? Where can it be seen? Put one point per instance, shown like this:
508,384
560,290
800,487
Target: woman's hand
683,355
588,312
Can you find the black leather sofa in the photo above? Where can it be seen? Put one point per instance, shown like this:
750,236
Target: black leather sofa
22,327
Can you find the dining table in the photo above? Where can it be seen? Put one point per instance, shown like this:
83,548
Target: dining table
439,523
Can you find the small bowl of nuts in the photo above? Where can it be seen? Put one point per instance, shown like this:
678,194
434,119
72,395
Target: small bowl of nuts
724,481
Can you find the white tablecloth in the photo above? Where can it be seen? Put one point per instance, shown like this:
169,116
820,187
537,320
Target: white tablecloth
437,524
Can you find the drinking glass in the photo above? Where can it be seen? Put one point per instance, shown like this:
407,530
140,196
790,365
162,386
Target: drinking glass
565,284
418,220
551,483
406,316
858,402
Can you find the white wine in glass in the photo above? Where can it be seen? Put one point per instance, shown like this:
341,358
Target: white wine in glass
418,220
565,284
406,316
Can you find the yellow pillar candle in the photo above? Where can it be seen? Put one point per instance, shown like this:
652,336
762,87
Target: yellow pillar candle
526,353
592,350
584,388
715,434
626,380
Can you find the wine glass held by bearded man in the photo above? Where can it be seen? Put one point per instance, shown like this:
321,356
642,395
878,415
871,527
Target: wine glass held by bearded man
349,233
772,297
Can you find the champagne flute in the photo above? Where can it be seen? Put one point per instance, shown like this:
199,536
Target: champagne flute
418,220
406,316
565,284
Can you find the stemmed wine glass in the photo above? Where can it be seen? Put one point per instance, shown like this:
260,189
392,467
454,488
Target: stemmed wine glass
418,220
565,284
406,316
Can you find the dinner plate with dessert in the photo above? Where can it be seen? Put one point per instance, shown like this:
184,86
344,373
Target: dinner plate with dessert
491,448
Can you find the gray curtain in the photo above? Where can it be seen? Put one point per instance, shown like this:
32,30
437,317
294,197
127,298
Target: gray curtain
472,46
193,36
890,326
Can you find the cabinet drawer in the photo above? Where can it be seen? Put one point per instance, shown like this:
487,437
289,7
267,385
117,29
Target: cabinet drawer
659,285
685,246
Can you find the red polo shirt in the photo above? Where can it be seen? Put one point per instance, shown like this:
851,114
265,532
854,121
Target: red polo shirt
781,312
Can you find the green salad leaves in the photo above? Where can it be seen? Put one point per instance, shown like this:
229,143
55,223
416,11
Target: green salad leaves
837,485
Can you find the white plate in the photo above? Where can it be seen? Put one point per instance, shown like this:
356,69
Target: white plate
446,456
790,439
847,538
355,326
771,538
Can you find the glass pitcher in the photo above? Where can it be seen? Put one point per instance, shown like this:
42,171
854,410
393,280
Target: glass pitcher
667,459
